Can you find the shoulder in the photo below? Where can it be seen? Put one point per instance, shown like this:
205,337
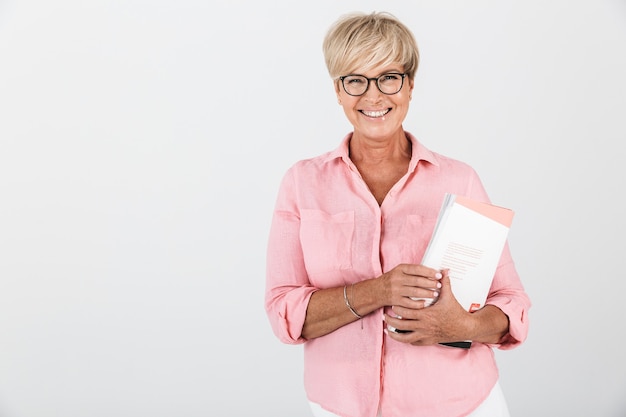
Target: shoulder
327,161
436,160
448,162
315,163
452,174
444,164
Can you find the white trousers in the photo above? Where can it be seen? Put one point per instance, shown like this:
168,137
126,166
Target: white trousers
493,406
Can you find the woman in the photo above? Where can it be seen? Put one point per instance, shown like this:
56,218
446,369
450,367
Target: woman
349,230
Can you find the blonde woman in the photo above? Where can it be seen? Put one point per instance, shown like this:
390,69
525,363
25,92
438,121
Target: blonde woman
348,233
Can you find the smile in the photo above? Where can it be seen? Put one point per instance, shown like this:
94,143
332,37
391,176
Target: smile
379,113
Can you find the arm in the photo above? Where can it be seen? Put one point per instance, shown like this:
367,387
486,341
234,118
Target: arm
327,309
502,322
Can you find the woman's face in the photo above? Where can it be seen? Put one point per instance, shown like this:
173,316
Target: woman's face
376,115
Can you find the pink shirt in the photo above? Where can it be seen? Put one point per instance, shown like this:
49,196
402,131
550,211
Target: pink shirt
329,231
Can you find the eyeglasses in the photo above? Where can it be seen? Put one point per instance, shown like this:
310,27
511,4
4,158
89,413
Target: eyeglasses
356,85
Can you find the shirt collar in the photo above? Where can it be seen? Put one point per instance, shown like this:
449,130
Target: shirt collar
419,152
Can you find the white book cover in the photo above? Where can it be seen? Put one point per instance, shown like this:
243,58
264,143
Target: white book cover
468,240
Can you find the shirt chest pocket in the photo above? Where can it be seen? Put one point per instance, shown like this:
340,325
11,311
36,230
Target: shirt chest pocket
326,240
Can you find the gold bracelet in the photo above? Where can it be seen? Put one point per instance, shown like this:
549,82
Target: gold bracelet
345,298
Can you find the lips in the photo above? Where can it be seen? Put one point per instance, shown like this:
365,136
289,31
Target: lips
377,113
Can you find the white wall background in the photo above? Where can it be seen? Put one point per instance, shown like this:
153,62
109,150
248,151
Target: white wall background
141,147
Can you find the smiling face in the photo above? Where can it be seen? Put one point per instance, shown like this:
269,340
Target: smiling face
375,115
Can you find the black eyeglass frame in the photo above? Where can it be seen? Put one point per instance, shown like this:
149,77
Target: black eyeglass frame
342,78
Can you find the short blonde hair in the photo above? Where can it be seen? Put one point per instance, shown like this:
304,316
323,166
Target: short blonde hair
359,40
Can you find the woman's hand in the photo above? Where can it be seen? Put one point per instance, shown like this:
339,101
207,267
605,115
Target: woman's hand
411,286
446,321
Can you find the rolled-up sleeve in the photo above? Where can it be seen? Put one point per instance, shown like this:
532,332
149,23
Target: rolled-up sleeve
508,294
288,289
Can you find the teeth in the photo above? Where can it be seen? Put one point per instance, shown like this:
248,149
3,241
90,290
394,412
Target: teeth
379,113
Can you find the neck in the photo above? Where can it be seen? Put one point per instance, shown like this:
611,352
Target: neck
370,151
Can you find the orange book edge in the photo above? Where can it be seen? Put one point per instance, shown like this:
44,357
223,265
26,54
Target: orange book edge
499,214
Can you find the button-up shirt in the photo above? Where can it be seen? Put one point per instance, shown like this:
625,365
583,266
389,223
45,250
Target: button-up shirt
328,231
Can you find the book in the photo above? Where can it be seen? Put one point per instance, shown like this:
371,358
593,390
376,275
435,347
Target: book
468,240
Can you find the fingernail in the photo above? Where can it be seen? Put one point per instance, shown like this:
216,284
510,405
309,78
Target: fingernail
439,285
435,294
438,275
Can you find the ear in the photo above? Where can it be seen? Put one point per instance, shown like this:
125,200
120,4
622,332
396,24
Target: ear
337,90
411,85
